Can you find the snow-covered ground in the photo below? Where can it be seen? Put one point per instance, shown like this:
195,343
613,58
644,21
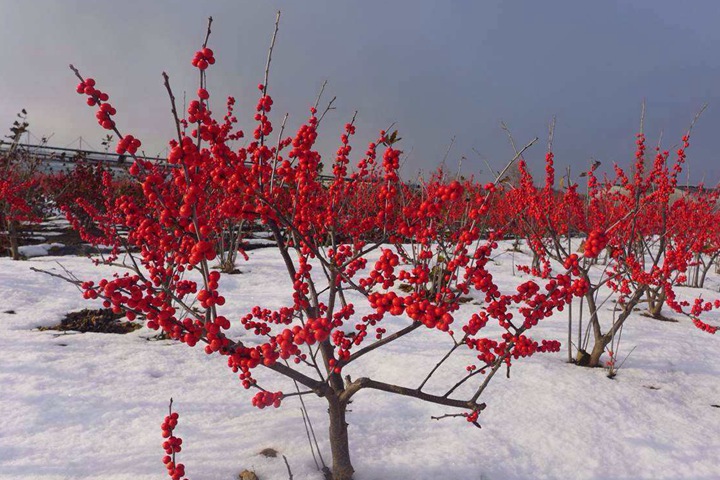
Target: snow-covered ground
90,405
39,250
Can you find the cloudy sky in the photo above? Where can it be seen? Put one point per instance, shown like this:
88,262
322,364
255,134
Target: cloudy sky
437,69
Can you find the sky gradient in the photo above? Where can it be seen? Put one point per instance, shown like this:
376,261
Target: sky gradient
437,70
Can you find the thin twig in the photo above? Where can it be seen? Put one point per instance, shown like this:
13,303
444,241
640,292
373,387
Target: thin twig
176,117
447,152
290,475
322,89
207,33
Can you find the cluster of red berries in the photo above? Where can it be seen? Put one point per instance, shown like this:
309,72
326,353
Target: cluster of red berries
203,58
383,270
198,112
264,106
391,164
129,144
477,321
387,302
704,326
449,193
571,263
597,240
87,87
96,97
203,250
431,315
208,298
267,399
172,445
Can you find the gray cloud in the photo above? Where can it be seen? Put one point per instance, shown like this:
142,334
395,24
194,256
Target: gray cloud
437,69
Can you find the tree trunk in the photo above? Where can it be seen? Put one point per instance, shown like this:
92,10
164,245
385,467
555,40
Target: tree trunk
597,351
13,237
583,358
227,264
535,261
655,301
342,468
695,272
706,269
592,359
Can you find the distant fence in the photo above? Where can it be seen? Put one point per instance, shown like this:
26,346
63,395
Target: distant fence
67,156
62,157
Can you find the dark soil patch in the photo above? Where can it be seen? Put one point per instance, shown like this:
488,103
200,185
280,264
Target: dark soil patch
98,321
269,452
404,287
158,337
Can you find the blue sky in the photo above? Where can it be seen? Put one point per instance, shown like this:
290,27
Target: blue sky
437,70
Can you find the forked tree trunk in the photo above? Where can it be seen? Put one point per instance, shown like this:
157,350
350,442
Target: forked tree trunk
597,351
535,260
227,265
342,469
706,269
583,357
655,301
600,341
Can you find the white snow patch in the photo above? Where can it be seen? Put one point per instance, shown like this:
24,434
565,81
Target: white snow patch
39,250
87,406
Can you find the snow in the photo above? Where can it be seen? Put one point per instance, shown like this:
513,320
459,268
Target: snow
90,405
39,250
259,242
48,233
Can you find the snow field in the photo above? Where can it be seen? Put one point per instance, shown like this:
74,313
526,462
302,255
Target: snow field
90,405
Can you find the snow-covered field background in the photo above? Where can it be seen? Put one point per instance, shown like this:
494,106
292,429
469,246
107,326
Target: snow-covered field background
90,405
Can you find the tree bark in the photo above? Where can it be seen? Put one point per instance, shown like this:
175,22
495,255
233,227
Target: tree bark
706,269
655,301
600,341
13,237
695,280
342,467
597,351
583,358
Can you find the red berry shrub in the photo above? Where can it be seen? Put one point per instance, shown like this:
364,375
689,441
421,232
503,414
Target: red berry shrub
642,228
82,193
434,244
22,202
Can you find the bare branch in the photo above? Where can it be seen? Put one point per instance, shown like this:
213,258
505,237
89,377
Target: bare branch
270,52
176,117
365,382
384,341
322,89
207,33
